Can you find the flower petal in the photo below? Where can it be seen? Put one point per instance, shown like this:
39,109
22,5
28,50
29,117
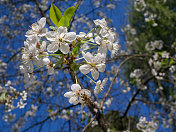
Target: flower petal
73,100
95,74
71,36
102,49
104,81
52,47
62,30
85,68
75,87
64,47
68,94
42,22
88,57
51,35
86,92
42,32
43,46
101,67
99,58
46,61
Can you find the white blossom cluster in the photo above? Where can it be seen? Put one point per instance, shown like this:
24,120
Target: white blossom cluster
66,114
32,111
139,5
129,29
156,64
100,85
34,51
37,50
137,74
9,95
153,45
3,67
146,126
150,17
9,117
106,39
75,96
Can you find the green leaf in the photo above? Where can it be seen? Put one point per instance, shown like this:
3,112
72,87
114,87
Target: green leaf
50,110
74,66
76,49
171,62
3,97
55,14
67,16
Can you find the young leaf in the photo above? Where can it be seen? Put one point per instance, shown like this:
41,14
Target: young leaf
2,97
55,14
67,16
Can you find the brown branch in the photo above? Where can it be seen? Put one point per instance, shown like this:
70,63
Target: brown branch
113,80
133,98
42,13
88,124
73,18
47,118
99,116
14,55
130,103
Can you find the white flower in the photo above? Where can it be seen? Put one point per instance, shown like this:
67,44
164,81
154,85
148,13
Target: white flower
146,126
100,86
139,5
93,63
28,57
108,102
165,54
60,40
75,95
106,38
50,68
158,44
38,28
42,54
150,46
34,52
29,77
21,104
102,23
81,35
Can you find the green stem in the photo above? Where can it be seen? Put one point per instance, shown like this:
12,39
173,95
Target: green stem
48,55
88,49
90,79
76,78
39,67
79,58
91,31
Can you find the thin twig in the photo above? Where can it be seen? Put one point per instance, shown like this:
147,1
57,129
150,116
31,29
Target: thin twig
130,103
88,124
47,118
42,13
113,80
133,97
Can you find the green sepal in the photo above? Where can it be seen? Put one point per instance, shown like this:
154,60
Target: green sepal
74,66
